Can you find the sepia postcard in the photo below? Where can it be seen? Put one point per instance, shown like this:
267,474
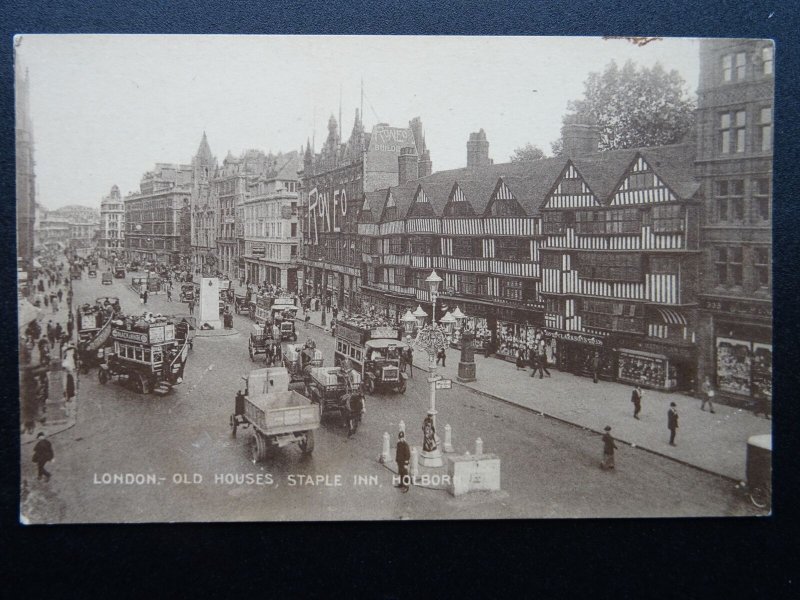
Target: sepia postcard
343,278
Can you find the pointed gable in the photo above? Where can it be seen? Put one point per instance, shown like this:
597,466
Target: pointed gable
421,204
457,204
641,185
571,191
503,203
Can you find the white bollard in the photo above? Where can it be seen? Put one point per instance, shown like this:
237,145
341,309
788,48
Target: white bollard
401,426
385,450
413,467
448,438
478,447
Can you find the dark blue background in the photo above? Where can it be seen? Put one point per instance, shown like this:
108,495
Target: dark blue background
689,558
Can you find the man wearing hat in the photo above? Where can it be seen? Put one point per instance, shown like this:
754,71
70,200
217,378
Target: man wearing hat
636,398
402,457
672,422
608,450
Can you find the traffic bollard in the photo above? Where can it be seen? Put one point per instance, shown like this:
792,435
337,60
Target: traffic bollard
401,426
385,450
448,438
413,468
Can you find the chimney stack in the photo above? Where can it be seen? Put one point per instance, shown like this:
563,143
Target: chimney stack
408,168
579,135
477,150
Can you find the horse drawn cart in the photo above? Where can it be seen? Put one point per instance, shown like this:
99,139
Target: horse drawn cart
337,391
278,416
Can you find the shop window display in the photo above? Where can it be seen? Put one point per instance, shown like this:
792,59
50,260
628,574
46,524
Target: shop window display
761,371
650,370
733,366
480,330
512,336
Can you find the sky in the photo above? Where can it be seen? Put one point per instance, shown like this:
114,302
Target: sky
106,108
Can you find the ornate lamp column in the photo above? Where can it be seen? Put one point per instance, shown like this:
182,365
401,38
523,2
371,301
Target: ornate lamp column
431,339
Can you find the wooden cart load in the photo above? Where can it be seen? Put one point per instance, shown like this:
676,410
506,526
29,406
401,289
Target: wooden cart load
278,416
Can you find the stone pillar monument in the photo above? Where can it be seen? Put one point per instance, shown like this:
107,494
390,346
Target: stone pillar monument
209,303
466,366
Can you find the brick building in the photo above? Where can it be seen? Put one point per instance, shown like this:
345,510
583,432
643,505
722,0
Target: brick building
335,183
734,165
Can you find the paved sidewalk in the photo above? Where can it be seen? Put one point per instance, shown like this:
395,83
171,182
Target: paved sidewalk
713,442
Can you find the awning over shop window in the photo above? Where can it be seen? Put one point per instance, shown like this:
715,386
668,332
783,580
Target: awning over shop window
670,316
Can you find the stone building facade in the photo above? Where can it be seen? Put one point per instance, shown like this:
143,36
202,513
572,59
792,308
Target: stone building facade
154,215
112,225
271,225
734,166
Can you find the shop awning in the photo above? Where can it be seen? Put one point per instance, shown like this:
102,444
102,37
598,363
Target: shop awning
671,316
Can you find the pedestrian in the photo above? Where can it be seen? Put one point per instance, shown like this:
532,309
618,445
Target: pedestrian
70,326
69,385
521,359
672,422
543,362
51,332
60,294
441,356
535,365
191,307
42,454
59,331
144,295
762,407
169,294
708,394
595,366
402,457
636,398
608,450
410,359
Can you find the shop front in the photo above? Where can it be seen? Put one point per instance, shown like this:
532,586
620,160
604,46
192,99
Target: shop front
657,364
582,353
739,357
743,355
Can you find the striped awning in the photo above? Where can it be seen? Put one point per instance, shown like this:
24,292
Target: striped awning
670,316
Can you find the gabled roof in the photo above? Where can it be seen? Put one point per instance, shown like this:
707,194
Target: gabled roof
477,192
675,167
531,186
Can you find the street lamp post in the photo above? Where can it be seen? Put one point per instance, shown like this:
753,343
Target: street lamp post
431,339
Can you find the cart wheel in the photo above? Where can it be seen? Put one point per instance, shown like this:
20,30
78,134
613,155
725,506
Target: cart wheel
255,447
370,385
233,426
402,388
760,496
307,443
102,376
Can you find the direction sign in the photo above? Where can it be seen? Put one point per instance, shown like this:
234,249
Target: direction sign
444,384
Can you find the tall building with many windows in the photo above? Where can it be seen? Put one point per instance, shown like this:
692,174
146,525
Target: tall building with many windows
153,217
271,227
112,225
734,164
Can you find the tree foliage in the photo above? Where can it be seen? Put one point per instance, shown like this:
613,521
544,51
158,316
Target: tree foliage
636,106
527,153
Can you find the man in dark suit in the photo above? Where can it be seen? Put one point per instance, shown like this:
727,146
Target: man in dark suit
672,422
402,457
42,454
636,398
